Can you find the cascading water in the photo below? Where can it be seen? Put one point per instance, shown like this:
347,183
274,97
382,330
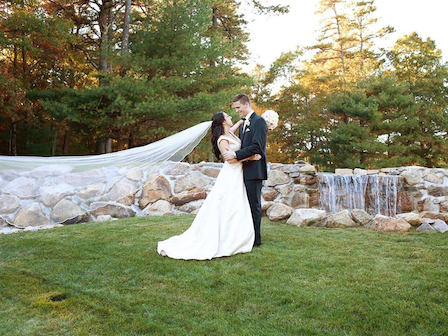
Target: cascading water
372,193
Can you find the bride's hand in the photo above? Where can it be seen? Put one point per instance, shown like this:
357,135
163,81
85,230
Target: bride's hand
255,157
236,126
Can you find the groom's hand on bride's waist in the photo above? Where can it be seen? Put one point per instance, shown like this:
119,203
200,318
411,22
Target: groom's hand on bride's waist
229,155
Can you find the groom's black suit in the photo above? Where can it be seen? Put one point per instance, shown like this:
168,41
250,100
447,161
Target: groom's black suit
253,141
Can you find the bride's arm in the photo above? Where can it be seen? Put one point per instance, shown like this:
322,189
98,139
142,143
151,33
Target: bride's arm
254,157
224,147
236,127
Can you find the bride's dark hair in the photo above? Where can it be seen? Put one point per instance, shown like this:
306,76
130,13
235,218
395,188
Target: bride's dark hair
217,131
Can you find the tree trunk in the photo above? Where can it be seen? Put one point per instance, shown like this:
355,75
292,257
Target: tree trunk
101,146
13,139
103,20
24,63
214,25
127,19
341,46
125,42
108,145
55,141
66,142
15,62
131,142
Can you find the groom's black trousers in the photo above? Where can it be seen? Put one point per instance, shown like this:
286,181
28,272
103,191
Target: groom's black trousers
253,189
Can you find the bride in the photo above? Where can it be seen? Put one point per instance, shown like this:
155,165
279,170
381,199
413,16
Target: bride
223,225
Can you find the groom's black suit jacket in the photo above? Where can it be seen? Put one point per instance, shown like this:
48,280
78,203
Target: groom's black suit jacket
253,141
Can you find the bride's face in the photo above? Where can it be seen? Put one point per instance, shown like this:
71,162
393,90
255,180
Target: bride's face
227,120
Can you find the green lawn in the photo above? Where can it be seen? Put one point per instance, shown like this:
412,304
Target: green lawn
107,279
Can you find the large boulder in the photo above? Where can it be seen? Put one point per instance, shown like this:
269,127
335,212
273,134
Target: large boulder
343,171
116,210
390,224
269,194
314,197
9,174
308,169
8,204
359,171
434,215
265,206
156,187
66,212
292,168
339,219
425,227
440,225
87,177
285,190
51,195
30,215
210,171
50,170
188,196
306,217
411,177
435,178
91,191
306,179
192,207
3,223
299,200
406,200
436,190
123,192
277,177
134,174
427,204
279,211
361,217
444,206
411,217
178,168
194,180
22,187
159,208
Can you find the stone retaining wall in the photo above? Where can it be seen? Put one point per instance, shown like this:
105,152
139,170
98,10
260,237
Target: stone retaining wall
49,196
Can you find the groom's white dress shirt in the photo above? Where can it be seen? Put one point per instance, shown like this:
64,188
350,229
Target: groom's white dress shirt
246,122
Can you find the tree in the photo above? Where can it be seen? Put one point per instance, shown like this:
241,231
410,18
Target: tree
419,64
316,126
34,49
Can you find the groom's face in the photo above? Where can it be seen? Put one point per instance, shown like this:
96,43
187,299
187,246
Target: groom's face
242,109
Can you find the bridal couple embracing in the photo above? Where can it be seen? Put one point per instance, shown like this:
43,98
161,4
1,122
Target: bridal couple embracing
229,220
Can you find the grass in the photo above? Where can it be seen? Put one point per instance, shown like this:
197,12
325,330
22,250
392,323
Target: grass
107,279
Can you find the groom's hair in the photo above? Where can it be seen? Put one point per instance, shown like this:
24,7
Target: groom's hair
242,98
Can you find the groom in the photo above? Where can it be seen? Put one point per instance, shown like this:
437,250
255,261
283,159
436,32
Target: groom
253,141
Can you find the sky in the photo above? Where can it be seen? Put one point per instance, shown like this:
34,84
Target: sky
270,36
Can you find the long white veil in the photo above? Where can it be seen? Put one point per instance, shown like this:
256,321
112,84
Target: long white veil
39,184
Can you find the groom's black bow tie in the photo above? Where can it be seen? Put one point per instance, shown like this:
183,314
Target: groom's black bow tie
243,118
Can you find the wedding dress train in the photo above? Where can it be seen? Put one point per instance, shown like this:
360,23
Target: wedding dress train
223,225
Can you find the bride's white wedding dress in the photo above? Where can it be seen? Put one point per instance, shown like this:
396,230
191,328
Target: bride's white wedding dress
223,225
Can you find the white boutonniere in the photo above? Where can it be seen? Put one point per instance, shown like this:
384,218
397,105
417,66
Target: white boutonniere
247,130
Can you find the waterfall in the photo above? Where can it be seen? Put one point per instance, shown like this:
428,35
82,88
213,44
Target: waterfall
372,193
